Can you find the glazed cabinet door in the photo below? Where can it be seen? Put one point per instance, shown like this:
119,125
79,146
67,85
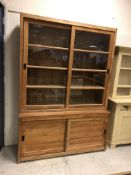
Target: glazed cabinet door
90,67
42,137
45,64
86,135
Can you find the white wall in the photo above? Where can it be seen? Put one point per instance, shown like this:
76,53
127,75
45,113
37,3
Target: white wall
112,13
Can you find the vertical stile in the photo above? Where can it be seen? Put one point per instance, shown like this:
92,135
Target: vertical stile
67,135
71,55
25,61
109,63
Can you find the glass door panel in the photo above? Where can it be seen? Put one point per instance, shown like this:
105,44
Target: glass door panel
124,79
90,60
92,41
126,61
91,96
88,78
46,77
49,36
47,57
47,96
123,91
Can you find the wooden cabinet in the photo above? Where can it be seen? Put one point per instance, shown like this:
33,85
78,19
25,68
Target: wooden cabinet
119,131
120,80
64,75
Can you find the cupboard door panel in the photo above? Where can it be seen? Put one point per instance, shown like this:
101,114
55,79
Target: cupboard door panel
86,133
125,127
43,137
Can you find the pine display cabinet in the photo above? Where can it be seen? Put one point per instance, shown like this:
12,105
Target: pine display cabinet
64,79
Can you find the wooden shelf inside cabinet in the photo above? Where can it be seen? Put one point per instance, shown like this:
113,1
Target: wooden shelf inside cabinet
45,86
88,70
46,67
86,87
125,68
124,86
90,51
48,47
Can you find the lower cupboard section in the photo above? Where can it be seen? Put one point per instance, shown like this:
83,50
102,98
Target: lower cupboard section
48,138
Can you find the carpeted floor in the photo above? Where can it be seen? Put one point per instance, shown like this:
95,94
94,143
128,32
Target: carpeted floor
109,162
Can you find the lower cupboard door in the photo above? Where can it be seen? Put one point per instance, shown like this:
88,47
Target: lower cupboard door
42,137
86,135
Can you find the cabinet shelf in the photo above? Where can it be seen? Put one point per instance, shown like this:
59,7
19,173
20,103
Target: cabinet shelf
125,68
124,86
86,87
46,67
45,86
90,51
48,47
88,70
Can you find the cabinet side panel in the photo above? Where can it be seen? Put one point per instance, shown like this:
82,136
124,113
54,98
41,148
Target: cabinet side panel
111,123
113,75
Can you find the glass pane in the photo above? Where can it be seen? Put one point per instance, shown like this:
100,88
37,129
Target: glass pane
45,96
92,41
123,91
46,77
48,36
47,57
90,60
126,61
88,78
86,96
124,78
